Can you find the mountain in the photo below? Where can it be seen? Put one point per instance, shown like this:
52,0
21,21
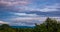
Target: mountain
22,27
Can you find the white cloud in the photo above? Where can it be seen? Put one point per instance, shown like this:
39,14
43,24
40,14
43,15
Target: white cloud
56,18
46,8
25,14
2,22
26,21
51,8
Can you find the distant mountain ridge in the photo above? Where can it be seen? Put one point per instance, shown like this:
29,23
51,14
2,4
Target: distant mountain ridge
22,26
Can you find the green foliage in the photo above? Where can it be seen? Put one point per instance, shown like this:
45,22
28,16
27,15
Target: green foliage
48,26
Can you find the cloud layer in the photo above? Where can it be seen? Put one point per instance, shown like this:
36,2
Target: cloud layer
28,12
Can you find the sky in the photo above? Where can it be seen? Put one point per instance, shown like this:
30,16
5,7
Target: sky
28,12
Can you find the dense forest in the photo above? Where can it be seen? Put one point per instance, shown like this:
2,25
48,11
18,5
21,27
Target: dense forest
50,25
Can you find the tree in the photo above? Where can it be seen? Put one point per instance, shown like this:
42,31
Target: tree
51,25
5,25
